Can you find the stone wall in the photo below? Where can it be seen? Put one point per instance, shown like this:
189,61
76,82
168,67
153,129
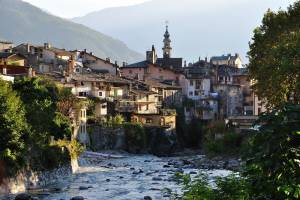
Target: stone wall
107,138
29,179
158,140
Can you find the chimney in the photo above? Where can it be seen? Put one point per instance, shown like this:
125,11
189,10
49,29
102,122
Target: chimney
185,63
27,48
84,50
124,64
151,55
47,46
108,60
91,53
199,59
205,59
71,66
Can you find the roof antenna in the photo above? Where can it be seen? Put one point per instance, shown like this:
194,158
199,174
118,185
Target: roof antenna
167,24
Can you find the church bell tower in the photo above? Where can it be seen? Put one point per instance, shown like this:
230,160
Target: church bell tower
167,49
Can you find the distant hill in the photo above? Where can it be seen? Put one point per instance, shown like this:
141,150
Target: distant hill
21,22
197,27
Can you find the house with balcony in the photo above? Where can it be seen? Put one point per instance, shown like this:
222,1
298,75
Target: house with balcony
202,101
96,64
45,58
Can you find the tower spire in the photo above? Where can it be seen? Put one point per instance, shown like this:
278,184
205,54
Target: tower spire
167,42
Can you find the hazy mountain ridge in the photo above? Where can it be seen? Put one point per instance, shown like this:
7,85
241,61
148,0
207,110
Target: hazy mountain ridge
21,22
197,28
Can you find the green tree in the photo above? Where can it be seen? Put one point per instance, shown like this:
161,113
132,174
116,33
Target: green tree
275,59
13,129
41,98
273,159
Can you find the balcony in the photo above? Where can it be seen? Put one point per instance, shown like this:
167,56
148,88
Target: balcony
168,112
126,106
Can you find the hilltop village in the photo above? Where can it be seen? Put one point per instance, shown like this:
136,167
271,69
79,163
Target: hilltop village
147,92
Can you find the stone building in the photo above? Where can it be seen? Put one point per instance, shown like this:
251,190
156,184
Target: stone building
6,46
96,64
231,60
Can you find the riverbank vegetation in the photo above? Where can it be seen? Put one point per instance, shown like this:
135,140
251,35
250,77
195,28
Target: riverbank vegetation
272,156
34,113
271,169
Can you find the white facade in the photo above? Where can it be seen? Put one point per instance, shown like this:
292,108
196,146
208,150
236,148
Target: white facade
198,88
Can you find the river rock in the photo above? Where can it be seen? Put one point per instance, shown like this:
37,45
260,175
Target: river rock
23,196
83,188
147,198
77,198
157,179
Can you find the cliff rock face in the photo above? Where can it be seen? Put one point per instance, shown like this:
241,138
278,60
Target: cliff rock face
31,179
161,142
157,141
107,139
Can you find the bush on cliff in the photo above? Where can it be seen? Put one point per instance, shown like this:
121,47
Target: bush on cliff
135,137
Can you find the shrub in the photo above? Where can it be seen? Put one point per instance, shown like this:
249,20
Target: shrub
232,187
73,146
135,137
229,143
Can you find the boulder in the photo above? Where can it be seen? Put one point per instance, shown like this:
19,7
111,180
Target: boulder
83,188
23,196
147,198
77,198
157,179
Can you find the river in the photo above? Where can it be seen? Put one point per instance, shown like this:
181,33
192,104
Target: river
124,177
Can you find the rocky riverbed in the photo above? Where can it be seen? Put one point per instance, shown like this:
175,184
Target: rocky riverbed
124,176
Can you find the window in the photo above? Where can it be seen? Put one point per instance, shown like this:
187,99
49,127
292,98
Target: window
198,84
221,78
190,93
148,121
100,94
83,113
82,83
162,121
147,107
196,93
82,94
147,97
191,82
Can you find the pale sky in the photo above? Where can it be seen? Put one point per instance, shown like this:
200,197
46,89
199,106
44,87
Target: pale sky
76,8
